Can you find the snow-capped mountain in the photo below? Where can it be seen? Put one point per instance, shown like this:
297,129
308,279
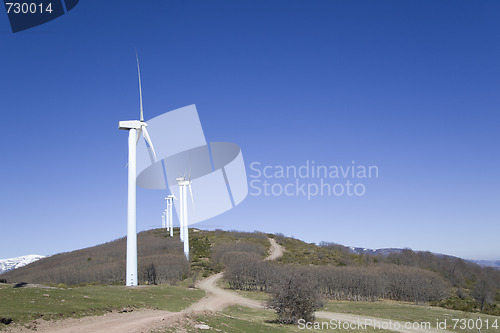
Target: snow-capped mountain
384,252
13,263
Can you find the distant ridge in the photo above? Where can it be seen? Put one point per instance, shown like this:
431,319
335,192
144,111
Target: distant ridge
382,252
388,251
487,263
13,263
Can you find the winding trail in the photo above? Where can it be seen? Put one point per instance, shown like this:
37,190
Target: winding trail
216,299
137,321
275,251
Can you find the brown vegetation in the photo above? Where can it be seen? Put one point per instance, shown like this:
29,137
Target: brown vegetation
367,283
106,263
296,296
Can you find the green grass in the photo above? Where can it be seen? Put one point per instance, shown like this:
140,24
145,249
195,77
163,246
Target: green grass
408,313
25,304
302,253
469,305
237,319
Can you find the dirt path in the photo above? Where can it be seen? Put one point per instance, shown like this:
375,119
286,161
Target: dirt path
276,250
137,321
218,298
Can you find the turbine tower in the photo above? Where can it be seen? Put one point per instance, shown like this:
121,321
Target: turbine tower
183,183
135,128
181,208
168,214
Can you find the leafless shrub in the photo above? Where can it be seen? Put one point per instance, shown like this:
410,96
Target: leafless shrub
279,237
150,274
483,292
295,296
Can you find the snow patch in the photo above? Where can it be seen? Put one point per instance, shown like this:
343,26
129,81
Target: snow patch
13,263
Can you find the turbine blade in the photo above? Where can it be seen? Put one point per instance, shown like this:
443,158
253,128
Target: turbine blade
191,193
190,165
148,140
138,135
140,85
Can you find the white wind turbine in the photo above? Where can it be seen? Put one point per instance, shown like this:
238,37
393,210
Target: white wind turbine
168,214
183,183
135,128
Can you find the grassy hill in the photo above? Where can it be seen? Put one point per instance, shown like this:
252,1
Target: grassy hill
105,263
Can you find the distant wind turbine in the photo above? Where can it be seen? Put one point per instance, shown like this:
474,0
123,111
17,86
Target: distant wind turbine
183,183
135,128
168,214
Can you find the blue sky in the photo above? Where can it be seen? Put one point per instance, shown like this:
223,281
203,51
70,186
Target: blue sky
408,86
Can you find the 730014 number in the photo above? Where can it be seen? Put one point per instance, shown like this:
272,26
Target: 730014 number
476,324
28,8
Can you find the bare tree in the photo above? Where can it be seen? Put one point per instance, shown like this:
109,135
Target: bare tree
151,274
482,292
296,296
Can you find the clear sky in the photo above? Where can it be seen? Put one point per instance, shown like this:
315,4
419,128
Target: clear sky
411,87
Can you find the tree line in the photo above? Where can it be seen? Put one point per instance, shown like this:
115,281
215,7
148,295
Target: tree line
245,271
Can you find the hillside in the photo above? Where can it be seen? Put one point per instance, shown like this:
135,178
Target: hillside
105,263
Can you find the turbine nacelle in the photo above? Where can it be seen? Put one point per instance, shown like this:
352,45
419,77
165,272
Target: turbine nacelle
131,124
140,126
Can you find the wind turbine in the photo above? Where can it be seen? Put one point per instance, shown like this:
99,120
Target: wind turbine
181,208
168,214
183,183
135,128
